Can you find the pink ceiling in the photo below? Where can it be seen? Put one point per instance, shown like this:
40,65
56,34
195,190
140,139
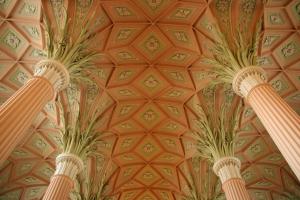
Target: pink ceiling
150,83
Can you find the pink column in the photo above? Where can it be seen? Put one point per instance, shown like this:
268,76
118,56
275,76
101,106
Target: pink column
235,189
61,183
59,188
18,112
228,170
279,119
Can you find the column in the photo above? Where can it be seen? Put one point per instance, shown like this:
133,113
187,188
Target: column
19,111
61,183
228,170
279,119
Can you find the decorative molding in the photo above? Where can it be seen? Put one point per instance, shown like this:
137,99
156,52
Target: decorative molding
227,168
54,72
246,79
69,165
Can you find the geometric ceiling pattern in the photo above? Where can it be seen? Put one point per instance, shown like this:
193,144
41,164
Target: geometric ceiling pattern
149,84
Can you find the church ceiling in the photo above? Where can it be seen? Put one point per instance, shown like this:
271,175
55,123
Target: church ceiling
150,80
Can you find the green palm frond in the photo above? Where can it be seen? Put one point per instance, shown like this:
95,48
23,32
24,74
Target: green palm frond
291,196
79,134
227,60
73,52
204,187
93,188
218,131
79,139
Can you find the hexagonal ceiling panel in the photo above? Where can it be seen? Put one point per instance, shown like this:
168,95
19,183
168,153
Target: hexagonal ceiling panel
150,89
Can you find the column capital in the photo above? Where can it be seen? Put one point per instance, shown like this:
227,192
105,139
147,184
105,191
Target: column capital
54,71
69,165
227,168
248,78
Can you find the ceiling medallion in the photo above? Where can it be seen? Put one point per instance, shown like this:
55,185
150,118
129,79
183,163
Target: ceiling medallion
28,9
182,13
173,109
296,97
181,36
178,57
149,115
125,110
177,76
171,126
126,126
148,148
21,77
12,40
151,82
175,93
154,4
125,55
278,85
127,143
126,92
170,142
276,18
124,34
127,172
148,175
269,40
39,143
20,153
275,157
167,171
125,75
123,11
289,50
127,157
37,53
152,44
147,198
168,157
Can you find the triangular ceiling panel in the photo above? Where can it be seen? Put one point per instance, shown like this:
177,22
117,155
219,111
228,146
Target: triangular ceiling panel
127,173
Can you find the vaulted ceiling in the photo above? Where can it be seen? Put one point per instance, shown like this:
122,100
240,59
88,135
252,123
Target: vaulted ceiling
150,81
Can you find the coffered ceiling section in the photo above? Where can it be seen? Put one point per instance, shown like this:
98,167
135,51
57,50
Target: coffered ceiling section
151,84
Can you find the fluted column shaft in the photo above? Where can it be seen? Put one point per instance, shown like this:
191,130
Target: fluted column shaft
279,119
19,111
61,183
235,189
281,122
228,170
59,188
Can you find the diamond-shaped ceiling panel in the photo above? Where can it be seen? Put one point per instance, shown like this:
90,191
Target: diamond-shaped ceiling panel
152,43
150,79
154,8
149,116
148,149
148,176
151,83
124,34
